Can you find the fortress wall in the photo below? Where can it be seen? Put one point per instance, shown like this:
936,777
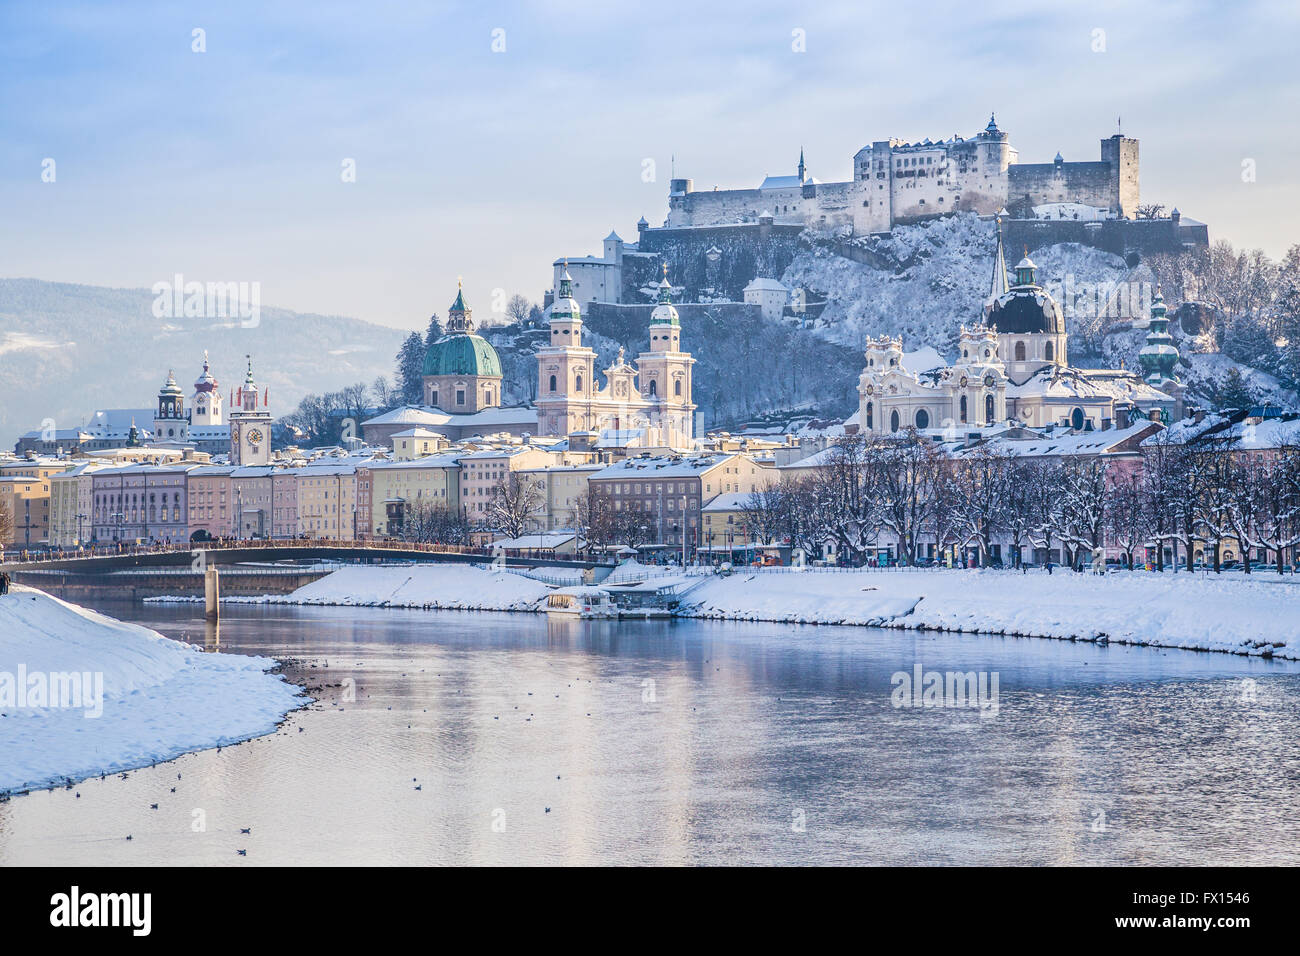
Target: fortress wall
714,207
746,251
1094,184
1119,236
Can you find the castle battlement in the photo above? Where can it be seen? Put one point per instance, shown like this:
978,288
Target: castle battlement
897,182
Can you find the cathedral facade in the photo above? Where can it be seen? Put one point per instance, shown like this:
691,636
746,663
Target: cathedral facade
1012,368
654,394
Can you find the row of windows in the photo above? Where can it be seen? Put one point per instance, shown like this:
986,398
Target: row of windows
922,419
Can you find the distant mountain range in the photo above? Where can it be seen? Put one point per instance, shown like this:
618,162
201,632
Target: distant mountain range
66,350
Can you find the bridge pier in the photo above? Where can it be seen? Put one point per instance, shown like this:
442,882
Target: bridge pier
211,594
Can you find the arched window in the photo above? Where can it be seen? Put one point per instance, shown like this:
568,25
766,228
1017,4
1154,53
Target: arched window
1048,351
923,419
1076,418
677,387
552,383
893,421
654,389
578,382
963,408
870,409
988,409
1020,351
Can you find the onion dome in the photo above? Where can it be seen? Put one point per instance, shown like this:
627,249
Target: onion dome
565,306
1159,355
205,382
664,313
170,389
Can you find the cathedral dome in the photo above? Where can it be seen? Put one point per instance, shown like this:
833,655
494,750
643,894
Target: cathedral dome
462,353
1026,310
1026,307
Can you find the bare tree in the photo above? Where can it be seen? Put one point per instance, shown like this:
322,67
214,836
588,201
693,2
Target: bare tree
1084,494
1279,489
904,471
513,504
764,512
433,524
6,523
983,482
517,309
1128,518
593,518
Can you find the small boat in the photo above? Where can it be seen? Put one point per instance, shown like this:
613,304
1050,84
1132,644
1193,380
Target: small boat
580,602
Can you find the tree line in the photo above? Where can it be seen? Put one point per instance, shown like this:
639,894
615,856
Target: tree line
905,490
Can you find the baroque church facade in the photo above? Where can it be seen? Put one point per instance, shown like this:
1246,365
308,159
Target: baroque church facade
1013,368
653,395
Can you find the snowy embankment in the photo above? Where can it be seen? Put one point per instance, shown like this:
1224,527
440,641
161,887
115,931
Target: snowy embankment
82,694
1165,610
459,587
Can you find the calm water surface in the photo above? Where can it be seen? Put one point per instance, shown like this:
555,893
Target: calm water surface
672,742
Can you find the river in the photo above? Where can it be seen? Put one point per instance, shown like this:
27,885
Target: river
475,738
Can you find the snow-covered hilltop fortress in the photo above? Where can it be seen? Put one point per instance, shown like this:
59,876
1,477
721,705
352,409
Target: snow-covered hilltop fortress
719,242
897,182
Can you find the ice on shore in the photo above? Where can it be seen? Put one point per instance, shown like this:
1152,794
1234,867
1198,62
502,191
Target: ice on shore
60,664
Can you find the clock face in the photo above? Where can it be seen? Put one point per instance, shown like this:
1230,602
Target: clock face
254,436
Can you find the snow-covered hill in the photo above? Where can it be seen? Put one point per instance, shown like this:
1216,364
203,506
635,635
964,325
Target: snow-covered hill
924,281
930,278
66,350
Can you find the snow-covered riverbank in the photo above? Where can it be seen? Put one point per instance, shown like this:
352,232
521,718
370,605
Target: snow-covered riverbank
1228,613
83,694
1166,610
453,587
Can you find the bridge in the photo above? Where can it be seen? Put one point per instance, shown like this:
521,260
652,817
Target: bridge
251,567
199,555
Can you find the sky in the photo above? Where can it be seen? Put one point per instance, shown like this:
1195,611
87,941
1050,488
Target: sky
488,139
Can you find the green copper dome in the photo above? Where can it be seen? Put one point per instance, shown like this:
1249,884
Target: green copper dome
461,354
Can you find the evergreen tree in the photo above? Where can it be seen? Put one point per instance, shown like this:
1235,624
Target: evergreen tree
434,333
410,365
1235,393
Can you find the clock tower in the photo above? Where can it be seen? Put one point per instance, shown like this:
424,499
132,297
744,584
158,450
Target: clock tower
250,426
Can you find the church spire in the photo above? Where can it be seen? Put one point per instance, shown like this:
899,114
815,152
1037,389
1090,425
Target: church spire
999,285
803,170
